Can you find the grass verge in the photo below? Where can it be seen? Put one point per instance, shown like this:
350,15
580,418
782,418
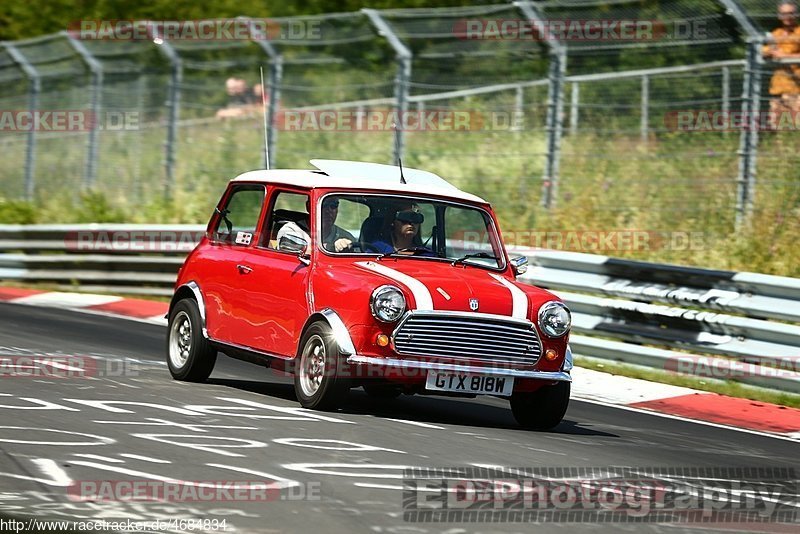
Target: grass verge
723,387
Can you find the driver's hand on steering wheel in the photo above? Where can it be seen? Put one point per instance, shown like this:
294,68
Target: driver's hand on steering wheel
342,244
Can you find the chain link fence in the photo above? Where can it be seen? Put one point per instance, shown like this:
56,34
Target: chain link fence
568,115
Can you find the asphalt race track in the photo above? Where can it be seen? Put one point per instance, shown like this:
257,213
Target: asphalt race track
336,472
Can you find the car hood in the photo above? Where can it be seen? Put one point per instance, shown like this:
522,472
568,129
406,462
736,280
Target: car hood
440,286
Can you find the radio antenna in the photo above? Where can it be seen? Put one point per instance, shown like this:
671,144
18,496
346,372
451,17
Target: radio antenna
397,150
264,108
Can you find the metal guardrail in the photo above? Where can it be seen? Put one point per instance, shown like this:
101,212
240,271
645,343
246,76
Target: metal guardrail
715,324
705,322
118,258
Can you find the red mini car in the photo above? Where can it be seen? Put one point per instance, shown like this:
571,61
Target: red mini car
355,275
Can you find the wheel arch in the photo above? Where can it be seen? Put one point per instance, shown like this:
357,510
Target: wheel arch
191,290
340,334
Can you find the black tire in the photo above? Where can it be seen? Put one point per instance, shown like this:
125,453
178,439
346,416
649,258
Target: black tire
382,391
190,357
320,382
543,409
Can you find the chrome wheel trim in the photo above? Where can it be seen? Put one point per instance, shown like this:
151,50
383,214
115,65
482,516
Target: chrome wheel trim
180,340
312,365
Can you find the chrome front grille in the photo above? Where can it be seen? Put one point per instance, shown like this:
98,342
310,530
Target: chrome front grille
475,338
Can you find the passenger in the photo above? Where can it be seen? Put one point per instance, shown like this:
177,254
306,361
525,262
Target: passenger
402,233
334,238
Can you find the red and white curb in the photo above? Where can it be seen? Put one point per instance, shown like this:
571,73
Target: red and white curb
686,403
139,309
588,385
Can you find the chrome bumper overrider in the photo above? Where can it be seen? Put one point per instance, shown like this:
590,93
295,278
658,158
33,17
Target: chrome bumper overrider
491,371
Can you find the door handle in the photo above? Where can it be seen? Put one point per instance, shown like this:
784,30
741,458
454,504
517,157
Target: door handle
244,269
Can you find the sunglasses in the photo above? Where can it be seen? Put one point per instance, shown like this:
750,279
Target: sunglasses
409,216
330,204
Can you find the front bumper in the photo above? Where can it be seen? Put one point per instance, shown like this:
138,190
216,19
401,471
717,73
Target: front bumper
550,376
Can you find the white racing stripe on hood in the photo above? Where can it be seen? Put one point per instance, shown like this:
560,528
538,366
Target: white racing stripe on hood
519,299
421,294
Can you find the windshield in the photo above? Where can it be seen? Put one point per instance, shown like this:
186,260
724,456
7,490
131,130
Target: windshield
406,226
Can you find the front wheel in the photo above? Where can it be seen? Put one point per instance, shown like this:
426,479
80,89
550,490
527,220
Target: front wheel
542,409
318,380
190,357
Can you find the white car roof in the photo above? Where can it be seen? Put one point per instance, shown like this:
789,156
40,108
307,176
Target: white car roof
361,175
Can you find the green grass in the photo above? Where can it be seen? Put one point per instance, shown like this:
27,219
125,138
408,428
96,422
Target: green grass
673,184
723,387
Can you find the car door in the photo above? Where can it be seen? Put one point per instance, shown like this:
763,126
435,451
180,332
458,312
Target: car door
233,233
274,302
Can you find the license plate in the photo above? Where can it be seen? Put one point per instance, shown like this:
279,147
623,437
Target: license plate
470,383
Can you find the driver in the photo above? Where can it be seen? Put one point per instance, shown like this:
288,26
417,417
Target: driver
403,233
334,238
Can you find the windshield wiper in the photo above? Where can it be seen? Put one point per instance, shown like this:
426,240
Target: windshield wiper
465,257
408,249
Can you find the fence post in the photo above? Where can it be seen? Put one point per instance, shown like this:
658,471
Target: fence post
645,108
518,121
275,78
96,69
555,105
726,90
748,141
574,108
751,102
173,104
401,87
141,85
555,123
33,104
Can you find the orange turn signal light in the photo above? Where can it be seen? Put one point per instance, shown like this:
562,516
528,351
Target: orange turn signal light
550,355
382,340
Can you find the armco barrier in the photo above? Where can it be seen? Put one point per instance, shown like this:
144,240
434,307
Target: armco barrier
118,258
714,324
718,324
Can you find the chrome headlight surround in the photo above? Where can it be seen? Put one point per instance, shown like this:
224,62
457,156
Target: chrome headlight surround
387,304
555,319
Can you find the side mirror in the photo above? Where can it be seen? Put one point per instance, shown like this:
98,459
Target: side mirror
293,243
519,265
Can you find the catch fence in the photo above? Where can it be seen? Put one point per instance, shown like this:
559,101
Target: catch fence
524,103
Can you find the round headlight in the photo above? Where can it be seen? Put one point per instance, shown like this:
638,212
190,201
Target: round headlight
554,319
387,304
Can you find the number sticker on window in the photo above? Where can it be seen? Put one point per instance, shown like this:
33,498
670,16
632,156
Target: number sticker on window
243,238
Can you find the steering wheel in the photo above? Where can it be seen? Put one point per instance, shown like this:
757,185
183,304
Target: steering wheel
369,247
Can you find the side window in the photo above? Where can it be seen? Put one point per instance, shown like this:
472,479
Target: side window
288,220
239,217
